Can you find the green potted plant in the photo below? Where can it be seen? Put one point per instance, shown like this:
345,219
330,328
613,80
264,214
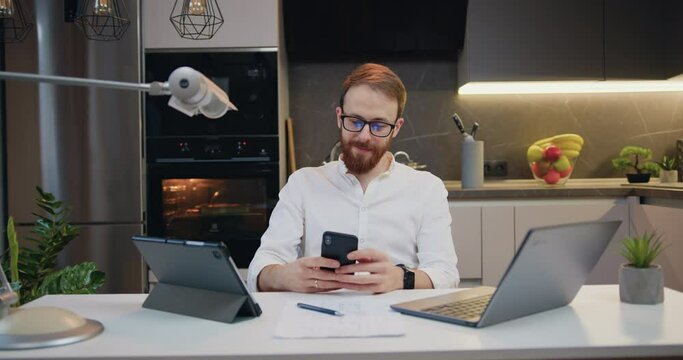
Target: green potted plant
641,281
638,159
33,268
669,169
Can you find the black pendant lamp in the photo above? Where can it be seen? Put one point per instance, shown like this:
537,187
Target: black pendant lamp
103,20
196,19
14,18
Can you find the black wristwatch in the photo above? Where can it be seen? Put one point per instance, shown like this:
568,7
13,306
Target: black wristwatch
408,277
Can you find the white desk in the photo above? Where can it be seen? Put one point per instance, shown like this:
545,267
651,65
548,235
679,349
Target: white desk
595,325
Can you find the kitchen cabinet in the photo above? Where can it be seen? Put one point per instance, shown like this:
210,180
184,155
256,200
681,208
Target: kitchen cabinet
486,234
498,241
532,40
247,24
529,214
483,236
322,31
535,40
466,230
668,222
643,39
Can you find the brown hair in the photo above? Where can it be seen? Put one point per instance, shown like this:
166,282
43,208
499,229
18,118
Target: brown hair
379,78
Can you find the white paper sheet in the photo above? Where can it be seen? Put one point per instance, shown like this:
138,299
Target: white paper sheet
363,317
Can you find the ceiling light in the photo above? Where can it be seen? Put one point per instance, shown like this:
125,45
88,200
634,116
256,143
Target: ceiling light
103,20
196,19
14,21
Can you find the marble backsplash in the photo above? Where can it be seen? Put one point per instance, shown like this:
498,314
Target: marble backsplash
508,123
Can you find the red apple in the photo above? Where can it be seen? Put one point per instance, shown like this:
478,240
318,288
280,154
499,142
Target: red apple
552,153
566,172
552,177
534,169
540,168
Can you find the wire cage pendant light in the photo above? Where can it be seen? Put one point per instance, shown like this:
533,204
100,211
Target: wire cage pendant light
14,18
103,20
196,19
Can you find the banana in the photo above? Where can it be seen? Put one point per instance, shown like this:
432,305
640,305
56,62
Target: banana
568,137
564,145
562,138
571,154
543,141
564,142
568,145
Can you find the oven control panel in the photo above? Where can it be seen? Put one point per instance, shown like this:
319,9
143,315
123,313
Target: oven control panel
225,148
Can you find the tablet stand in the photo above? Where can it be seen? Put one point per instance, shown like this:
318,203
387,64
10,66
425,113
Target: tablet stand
201,303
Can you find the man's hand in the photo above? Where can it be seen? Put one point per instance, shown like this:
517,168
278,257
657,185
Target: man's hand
302,275
384,275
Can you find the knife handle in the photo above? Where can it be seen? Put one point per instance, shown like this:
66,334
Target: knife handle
458,123
475,127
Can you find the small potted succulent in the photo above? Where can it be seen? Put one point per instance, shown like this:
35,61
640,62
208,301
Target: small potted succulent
669,169
638,159
641,281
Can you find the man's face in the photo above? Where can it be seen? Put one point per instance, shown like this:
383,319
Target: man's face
362,150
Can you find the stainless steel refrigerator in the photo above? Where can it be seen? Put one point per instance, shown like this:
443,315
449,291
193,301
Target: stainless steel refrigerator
82,144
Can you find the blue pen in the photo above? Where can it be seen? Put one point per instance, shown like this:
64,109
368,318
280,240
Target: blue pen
319,309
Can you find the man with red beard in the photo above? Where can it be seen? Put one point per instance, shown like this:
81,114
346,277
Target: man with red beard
399,215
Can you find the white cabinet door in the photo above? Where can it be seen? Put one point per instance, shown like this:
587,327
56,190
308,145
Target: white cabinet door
247,23
466,231
553,212
498,241
667,222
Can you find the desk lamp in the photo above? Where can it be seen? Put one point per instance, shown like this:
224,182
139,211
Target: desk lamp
40,326
191,93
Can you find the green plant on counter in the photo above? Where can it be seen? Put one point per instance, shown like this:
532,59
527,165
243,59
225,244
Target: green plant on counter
668,163
636,158
34,266
13,251
640,251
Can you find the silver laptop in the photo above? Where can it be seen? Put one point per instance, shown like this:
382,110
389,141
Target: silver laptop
548,270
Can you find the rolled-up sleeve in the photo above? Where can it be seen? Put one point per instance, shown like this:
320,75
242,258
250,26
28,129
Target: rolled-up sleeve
435,250
281,242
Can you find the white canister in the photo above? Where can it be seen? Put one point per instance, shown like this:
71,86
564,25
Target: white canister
472,164
668,176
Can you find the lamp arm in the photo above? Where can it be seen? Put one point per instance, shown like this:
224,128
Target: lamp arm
191,92
155,88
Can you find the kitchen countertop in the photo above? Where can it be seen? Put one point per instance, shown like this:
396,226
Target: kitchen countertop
573,188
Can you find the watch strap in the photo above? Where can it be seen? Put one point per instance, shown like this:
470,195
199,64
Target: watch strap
408,277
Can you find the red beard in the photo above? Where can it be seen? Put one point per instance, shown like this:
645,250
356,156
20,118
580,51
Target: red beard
362,163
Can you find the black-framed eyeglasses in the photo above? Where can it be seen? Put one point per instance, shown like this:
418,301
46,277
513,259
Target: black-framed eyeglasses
356,124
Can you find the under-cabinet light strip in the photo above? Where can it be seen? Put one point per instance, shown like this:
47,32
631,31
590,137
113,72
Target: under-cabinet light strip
568,87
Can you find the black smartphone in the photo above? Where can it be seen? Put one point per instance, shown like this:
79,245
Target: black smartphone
337,245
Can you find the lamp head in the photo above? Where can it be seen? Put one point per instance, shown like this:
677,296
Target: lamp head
193,93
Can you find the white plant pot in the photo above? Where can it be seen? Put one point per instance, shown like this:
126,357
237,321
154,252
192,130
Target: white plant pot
641,286
668,176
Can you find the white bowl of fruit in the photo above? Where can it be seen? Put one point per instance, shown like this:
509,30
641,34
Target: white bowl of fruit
552,159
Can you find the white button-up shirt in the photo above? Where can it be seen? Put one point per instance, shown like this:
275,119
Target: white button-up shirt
403,213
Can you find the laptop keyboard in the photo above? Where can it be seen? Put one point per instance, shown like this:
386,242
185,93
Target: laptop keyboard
462,309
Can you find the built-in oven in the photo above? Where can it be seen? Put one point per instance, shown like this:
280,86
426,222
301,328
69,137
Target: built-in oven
229,204
225,195
214,179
